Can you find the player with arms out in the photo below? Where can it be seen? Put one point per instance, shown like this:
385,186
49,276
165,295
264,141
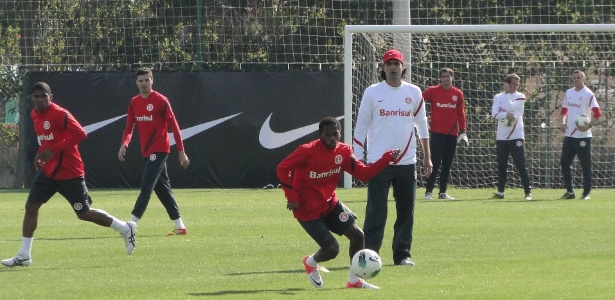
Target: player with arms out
577,139
153,115
507,110
309,177
388,115
447,129
60,170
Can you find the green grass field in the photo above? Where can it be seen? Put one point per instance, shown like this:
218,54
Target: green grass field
244,244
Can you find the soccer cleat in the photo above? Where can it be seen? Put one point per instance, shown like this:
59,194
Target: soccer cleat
568,195
498,195
444,196
406,262
129,237
585,197
178,231
428,196
361,284
528,196
313,274
16,261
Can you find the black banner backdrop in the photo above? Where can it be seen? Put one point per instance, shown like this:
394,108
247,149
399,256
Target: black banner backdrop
221,115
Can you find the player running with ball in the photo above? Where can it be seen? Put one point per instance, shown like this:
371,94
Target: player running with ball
309,176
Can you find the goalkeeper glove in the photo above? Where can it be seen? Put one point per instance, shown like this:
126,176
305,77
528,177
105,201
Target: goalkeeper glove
463,140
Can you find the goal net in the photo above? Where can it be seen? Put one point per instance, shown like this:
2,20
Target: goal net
544,56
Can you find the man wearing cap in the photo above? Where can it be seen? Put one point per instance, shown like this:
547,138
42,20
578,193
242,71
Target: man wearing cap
388,114
60,170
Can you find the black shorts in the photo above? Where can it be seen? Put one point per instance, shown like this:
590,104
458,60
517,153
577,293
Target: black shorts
74,190
337,221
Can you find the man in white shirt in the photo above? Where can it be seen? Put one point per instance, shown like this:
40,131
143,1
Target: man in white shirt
507,110
577,138
388,114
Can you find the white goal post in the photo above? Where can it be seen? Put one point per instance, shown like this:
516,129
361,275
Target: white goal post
481,56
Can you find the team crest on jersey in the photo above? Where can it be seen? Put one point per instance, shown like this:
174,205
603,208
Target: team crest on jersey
408,100
338,159
150,107
46,125
344,216
152,157
583,144
519,143
454,98
78,206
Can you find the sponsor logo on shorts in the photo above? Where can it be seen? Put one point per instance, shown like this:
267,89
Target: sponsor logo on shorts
152,157
344,216
519,143
78,206
583,143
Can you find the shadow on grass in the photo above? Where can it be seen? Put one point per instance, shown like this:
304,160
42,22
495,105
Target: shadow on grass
281,272
246,292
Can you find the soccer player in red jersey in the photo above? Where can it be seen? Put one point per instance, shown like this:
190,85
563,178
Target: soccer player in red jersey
309,176
60,170
153,115
447,129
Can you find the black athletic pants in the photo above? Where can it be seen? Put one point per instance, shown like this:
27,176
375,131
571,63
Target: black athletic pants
582,148
155,178
514,148
443,148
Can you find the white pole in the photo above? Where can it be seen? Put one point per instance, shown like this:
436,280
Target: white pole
347,97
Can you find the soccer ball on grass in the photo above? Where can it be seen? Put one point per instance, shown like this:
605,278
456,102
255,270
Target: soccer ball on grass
366,264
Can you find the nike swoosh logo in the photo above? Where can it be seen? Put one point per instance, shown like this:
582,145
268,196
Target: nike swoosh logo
186,133
316,282
189,132
98,125
271,140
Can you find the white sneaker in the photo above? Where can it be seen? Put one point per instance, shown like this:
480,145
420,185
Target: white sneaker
361,284
406,262
129,237
445,196
528,196
313,274
428,196
16,261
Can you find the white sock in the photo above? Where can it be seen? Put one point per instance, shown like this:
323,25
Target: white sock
352,278
26,247
134,219
179,223
119,226
311,262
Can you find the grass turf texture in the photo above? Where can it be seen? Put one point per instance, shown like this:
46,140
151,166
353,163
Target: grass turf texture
245,244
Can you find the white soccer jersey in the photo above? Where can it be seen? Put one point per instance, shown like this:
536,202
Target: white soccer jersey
504,103
387,118
577,103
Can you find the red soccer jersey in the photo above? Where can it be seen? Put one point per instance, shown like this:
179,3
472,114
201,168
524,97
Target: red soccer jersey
57,129
448,114
153,115
311,173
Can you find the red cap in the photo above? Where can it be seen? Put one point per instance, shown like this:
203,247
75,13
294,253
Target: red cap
392,54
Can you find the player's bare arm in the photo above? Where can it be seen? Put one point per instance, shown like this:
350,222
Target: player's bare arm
427,166
183,160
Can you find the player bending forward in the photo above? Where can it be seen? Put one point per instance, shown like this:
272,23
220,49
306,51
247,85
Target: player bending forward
309,177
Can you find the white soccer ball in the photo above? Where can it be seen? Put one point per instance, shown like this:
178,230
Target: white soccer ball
366,264
581,120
